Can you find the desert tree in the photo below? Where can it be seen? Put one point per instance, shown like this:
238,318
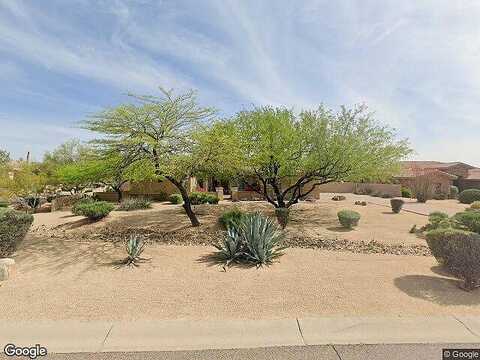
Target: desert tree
169,133
290,155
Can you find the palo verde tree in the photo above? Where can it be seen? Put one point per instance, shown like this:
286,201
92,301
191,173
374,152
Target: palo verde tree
166,131
109,169
290,155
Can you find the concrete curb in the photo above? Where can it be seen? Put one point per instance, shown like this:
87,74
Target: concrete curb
174,335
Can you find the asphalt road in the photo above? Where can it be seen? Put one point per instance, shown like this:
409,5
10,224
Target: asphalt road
325,352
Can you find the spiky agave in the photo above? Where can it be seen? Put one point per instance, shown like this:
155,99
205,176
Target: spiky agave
231,247
134,247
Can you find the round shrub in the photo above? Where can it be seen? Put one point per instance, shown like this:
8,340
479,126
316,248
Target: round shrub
469,196
231,218
453,192
436,218
475,205
211,199
406,192
78,205
468,220
14,226
348,218
134,203
175,199
462,254
437,240
197,198
95,210
397,205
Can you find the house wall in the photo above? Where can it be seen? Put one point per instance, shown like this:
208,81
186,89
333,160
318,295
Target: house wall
464,184
441,184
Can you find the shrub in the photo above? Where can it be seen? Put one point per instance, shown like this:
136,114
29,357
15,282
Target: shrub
14,226
406,192
436,218
396,205
437,240
175,199
348,218
440,196
3,204
231,218
79,203
134,204
475,205
95,210
463,254
197,198
338,198
468,220
257,239
453,192
469,196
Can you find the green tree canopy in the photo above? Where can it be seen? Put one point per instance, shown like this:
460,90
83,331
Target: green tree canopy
290,155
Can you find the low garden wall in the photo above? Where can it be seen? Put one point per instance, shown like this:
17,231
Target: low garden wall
106,196
65,202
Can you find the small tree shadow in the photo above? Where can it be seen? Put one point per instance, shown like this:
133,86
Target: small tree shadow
215,259
440,290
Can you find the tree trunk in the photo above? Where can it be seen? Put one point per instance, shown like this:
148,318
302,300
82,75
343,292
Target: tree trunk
120,195
187,205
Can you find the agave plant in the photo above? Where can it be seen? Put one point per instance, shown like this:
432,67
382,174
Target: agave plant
256,239
262,238
134,247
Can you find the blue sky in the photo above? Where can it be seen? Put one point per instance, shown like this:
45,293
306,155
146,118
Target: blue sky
415,63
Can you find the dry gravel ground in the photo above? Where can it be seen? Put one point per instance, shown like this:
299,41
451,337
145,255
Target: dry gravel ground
312,225
71,280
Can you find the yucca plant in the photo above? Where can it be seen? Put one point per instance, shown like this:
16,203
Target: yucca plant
134,247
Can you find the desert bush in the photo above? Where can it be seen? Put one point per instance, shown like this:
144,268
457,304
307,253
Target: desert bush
231,218
175,199
475,205
14,226
134,203
95,210
28,203
361,203
348,218
3,204
437,240
256,239
453,192
396,205
463,254
338,198
440,196
469,196
468,220
436,218
406,192
197,198
79,203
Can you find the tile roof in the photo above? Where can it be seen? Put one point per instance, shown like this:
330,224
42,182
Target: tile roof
473,174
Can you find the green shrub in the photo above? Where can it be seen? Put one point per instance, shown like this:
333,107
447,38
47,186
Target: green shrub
134,204
406,192
257,239
468,220
437,240
14,226
3,204
469,196
436,218
440,196
453,192
231,218
348,218
95,210
396,205
78,205
197,198
475,205
463,254
175,199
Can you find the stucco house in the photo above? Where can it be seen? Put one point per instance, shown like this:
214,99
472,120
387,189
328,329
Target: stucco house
443,175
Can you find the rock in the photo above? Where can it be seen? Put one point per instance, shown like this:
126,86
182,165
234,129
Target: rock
4,272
